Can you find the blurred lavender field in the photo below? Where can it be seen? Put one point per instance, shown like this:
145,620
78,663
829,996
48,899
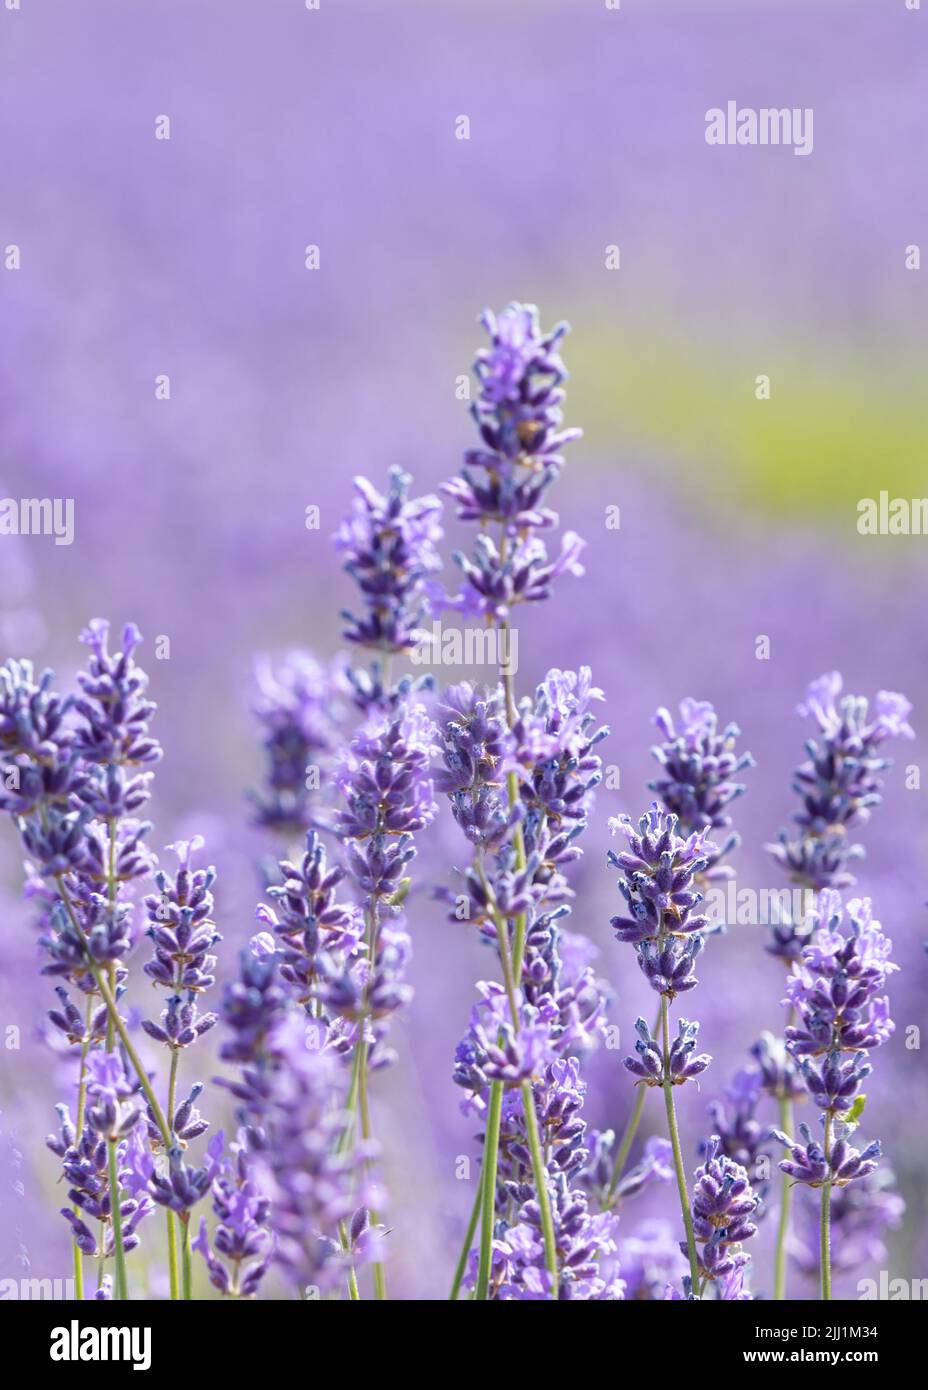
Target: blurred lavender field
336,128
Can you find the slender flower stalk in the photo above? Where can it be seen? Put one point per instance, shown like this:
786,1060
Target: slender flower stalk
518,413
841,1016
724,1204
292,1144
699,764
839,785
659,873
77,773
388,544
183,934
667,1085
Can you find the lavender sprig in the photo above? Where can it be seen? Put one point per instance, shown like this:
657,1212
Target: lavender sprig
389,547
76,774
298,708
502,486
723,1205
836,996
243,1245
296,1144
839,785
698,764
183,934
659,871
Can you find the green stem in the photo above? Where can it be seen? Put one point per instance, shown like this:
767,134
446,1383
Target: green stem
78,1273
677,1152
121,1286
185,1255
169,1215
511,965
101,1260
357,1101
468,1242
380,1278
354,1293
490,1160
786,1197
540,1173
502,945
826,1217
82,1080
79,1129
351,1103
628,1138
628,1134
172,1256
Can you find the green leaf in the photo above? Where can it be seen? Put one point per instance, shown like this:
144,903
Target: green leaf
399,897
856,1110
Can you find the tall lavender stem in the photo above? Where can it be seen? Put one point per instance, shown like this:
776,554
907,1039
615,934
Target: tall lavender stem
667,1086
660,871
518,416
839,784
699,762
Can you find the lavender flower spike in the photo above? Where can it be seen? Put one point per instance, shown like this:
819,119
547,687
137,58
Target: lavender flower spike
723,1204
841,780
836,995
389,546
698,765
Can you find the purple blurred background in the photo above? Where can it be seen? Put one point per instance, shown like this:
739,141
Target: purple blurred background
336,128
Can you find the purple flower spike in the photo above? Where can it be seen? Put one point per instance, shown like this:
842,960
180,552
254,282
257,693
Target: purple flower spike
698,767
807,1162
298,710
243,1237
113,737
683,1065
389,546
181,925
518,409
659,871
723,1205
839,784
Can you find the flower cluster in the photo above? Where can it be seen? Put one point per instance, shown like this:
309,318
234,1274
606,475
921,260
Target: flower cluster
243,1245
682,1064
355,755
296,1148
473,735
112,1117
389,547
723,1204
520,776
298,711
387,798
698,764
77,773
113,738
842,1014
585,1244
584,1238
316,934
839,784
518,412
504,481
659,871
